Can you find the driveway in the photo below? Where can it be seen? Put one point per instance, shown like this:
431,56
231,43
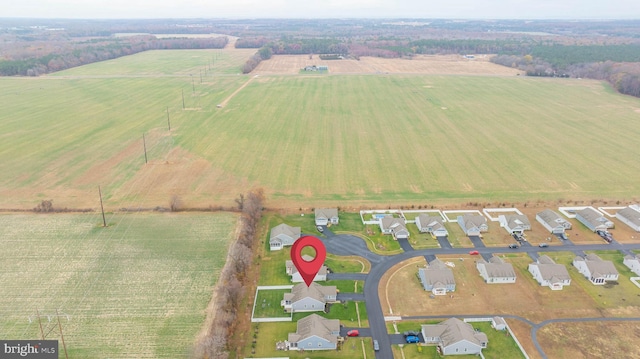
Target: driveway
444,242
477,242
347,276
405,245
344,297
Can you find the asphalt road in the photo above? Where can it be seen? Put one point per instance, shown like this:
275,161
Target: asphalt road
352,245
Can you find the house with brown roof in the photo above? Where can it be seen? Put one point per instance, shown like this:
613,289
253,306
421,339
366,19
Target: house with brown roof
431,224
313,298
455,337
315,333
552,221
593,219
324,216
283,235
473,224
496,270
630,216
296,277
633,263
437,278
514,223
595,269
395,226
549,274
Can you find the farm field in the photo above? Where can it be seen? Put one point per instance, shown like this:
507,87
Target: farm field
420,64
336,140
137,289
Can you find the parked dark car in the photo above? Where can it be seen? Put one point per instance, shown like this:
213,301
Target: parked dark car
513,246
543,245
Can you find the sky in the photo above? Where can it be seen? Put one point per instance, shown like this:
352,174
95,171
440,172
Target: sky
458,9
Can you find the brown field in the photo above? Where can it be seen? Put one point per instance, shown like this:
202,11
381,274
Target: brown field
402,294
421,64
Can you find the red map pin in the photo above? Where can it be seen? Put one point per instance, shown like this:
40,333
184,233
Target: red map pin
308,270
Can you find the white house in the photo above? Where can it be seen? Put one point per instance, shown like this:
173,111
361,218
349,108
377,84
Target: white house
473,224
455,337
593,219
630,216
498,323
514,223
296,277
431,224
549,274
633,263
324,216
596,270
437,278
496,270
315,333
394,226
313,298
552,221
283,235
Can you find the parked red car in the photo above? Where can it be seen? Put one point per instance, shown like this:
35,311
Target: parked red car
474,253
353,333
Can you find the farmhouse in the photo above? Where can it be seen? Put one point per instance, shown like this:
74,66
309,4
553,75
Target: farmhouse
324,216
630,216
431,224
394,226
315,333
552,221
473,224
283,235
549,274
593,219
633,263
296,277
313,298
455,337
496,270
515,223
437,278
596,270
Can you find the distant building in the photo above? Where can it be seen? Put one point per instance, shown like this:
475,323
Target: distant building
630,216
515,223
552,221
283,235
593,219
455,337
595,269
549,274
496,270
324,216
394,226
315,333
431,224
498,323
437,278
473,224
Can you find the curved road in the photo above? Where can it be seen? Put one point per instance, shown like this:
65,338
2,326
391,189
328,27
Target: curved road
347,245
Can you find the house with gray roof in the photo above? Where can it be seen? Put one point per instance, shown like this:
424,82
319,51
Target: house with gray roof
296,277
633,263
315,333
283,235
498,323
324,216
630,216
549,274
313,298
395,226
593,219
455,337
595,269
552,221
431,224
437,278
496,270
473,224
514,223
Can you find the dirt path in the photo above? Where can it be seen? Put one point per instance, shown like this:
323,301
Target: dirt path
226,100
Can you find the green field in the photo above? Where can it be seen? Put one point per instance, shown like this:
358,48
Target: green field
137,289
333,139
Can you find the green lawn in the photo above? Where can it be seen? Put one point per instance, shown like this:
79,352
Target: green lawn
267,303
127,289
346,312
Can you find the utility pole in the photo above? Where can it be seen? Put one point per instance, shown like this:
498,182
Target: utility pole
61,335
40,323
168,119
104,220
144,143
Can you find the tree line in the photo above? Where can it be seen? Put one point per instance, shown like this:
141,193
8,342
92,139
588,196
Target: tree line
230,291
89,52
